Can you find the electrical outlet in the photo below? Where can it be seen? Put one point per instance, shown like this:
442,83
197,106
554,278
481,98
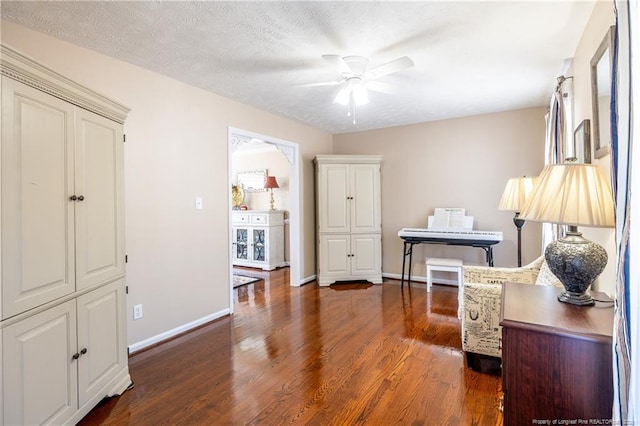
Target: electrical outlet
199,203
137,312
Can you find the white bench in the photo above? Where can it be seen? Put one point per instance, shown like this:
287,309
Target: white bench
435,264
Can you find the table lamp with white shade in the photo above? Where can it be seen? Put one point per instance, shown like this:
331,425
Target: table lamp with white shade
575,195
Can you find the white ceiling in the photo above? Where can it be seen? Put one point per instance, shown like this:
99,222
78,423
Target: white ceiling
470,57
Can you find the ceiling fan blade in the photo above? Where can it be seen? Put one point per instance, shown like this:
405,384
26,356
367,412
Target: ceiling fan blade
390,67
338,63
379,86
325,83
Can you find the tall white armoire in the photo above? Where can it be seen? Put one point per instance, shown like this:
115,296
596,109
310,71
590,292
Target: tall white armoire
62,297
349,218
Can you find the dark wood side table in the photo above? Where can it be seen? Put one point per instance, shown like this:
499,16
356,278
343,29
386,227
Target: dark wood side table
556,357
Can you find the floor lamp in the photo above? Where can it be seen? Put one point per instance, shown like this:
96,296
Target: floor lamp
513,198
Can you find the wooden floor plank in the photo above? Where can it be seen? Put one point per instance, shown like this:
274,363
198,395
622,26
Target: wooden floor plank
352,353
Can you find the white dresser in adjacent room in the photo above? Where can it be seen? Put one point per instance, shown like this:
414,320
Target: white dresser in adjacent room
62,311
258,238
349,218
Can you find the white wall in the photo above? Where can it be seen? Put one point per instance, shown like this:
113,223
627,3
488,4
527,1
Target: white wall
177,145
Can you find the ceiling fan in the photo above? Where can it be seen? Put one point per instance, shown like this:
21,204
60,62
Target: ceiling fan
356,79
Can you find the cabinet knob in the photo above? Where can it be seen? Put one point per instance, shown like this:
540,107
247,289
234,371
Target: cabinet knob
75,356
73,198
81,198
83,351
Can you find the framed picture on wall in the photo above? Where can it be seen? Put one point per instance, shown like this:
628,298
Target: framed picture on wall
582,142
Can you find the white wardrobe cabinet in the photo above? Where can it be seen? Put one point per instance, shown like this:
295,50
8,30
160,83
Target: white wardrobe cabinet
62,310
258,238
349,218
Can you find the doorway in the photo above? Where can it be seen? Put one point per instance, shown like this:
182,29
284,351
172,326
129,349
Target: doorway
238,138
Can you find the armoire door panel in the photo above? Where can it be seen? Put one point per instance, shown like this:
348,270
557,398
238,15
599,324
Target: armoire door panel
366,250
333,196
99,215
38,373
335,251
99,321
37,177
365,183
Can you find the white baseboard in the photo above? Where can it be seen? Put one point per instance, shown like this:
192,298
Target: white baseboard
307,280
436,280
399,277
445,281
135,347
421,279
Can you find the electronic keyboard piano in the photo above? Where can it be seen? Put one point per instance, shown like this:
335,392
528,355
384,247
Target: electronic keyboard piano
448,236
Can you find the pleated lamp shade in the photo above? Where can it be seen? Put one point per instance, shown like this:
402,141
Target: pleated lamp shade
571,194
271,182
516,193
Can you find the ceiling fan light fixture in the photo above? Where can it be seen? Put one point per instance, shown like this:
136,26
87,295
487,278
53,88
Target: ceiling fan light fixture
353,70
343,96
359,92
354,91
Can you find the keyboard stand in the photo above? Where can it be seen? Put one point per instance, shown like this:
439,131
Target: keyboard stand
409,242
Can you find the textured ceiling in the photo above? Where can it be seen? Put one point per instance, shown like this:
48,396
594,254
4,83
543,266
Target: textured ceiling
470,57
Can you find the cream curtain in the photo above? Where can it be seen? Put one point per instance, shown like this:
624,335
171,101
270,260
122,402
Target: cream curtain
555,142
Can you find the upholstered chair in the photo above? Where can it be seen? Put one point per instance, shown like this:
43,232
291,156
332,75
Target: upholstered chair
481,301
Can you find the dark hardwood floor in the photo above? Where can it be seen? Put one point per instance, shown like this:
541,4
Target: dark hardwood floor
348,354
